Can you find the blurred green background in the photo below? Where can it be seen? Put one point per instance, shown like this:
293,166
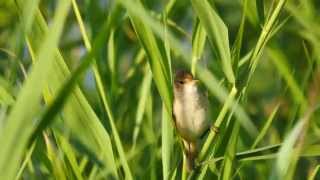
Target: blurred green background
110,117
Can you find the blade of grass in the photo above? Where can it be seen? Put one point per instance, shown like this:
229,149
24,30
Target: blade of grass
306,78
19,126
251,14
217,33
83,163
76,109
265,128
57,163
259,158
281,64
311,150
260,10
156,60
70,154
167,138
314,173
214,87
219,147
262,133
102,93
26,160
28,13
306,17
112,60
205,151
217,123
166,43
144,94
161,71
5,97
270,156
81,118
266,152
236,49
198,43
264,36
167,143
230,153
290,150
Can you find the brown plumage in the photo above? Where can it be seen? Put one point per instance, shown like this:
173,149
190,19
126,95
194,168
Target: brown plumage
190,114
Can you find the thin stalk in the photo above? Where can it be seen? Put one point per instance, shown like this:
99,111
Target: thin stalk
25,161
264,37
217,124
184,169
102,94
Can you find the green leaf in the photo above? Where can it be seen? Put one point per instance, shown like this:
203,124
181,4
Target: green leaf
229,163
57,163
160,71
212,134
265,128
70,154
287,152
105,100
25,161
236,49
282,66
260,10
217,33
20,123
144,94
264,37
251,13
167,137
5,97
198,43
314,173
311,150
167,143
77,112
28,13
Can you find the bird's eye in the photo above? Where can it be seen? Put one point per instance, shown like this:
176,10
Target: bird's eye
180,82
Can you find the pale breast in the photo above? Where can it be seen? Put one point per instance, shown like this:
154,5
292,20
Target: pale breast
190,110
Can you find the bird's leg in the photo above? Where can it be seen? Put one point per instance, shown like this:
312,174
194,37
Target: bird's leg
215,129
190,151
174,121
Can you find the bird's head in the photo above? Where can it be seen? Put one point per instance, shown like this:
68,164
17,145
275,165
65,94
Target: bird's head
182,79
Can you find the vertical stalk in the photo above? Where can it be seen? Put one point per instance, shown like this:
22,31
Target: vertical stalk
217,124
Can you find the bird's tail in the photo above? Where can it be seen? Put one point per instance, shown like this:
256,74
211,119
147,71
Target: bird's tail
190,154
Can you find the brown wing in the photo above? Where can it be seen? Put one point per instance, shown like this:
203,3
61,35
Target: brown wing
174,120
205,100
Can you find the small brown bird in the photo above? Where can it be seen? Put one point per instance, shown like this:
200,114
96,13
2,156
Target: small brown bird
190,111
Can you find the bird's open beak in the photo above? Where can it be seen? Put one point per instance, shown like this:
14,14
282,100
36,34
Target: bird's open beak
196,81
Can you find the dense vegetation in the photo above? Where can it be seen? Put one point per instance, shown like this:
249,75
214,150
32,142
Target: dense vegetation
86,88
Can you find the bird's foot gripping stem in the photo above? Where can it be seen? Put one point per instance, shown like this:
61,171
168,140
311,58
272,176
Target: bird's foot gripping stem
215,129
